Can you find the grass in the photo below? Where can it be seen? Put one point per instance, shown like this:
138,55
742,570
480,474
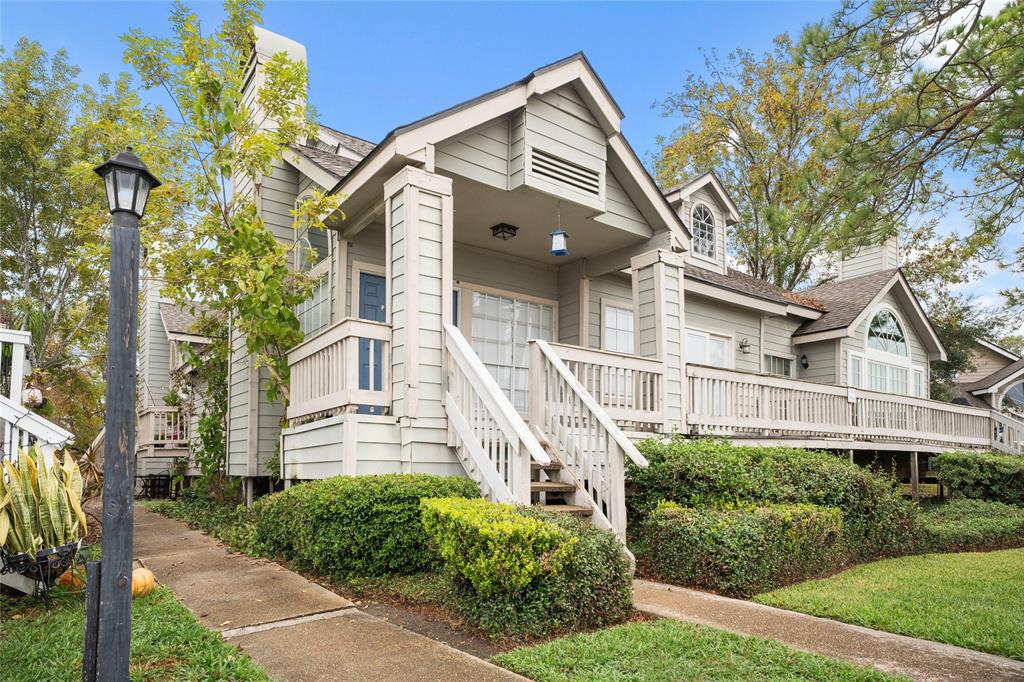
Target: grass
972,600
168,643
672,650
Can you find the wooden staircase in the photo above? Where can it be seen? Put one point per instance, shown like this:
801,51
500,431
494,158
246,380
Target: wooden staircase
550,492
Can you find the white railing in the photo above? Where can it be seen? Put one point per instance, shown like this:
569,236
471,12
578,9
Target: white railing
592,447
162,427
1007,433
21,427
12,363
326,370
731,403
492,440
628,387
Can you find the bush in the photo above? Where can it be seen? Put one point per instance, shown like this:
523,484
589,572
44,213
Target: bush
982,476
354,525
877,521
523,571
971,525
739,551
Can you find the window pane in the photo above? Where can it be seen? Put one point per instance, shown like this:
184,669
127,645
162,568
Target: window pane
703,231
856,371
716,352
618,329
876,376
696,349
898,380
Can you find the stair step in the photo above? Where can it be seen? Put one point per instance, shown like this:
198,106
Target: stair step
551,487
555,465
568,509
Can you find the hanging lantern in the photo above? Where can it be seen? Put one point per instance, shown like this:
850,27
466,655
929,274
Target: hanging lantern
558,237
504,231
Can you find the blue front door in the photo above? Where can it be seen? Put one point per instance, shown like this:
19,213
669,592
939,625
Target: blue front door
372,304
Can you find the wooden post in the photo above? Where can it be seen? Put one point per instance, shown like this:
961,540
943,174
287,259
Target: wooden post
914,478
115,621
92,620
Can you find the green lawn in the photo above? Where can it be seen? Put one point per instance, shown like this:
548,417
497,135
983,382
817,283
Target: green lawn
973,600
671,650
168,643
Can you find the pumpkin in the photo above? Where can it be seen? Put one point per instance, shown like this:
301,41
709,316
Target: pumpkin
143,582
71,581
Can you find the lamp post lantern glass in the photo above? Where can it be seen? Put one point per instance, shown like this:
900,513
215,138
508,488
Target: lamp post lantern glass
127,182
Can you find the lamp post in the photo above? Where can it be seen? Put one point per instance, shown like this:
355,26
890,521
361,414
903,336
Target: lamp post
127,182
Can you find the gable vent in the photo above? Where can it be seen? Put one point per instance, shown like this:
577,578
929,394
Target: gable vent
566,173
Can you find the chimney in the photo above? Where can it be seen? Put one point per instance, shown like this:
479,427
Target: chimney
265,46
869,259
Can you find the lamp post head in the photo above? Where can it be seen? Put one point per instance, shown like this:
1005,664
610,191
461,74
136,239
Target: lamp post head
127,182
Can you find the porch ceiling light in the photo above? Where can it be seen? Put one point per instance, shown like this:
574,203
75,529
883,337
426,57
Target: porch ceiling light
127,181
504,231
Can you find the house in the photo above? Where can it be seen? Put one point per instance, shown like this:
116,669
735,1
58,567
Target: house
510,297
996,380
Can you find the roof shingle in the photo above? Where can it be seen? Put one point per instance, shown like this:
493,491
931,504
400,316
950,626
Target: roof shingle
178,320
351,142
337,166
752,286
844,300
995,377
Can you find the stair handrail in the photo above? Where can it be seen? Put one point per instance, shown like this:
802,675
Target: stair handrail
15,417
1011,440
592,405
497,401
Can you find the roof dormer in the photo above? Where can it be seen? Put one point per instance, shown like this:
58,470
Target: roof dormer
706,209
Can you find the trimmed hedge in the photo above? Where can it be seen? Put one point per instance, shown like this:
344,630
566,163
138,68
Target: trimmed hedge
982,476
739,551
877,521
971,526
354,525
522,571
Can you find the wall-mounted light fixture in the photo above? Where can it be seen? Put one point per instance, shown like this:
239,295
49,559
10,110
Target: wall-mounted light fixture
504,231
745,346
804,362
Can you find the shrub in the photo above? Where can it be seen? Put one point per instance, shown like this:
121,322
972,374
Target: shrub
982,476
877,521
523,571
739,551
354,525
971,525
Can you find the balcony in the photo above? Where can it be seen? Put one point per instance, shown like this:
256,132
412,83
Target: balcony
161,431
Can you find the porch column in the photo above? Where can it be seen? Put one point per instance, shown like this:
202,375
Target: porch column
418,216
658,301
915,479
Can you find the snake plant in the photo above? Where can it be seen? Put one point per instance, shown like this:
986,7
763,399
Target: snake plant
40,504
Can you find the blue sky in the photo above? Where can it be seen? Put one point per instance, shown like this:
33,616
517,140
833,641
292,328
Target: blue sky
437,54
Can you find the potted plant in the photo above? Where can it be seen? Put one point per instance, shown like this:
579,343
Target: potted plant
41,517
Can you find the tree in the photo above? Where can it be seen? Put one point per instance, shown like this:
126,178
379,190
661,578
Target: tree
1013,343
768,125
230,260
54,218
954,72
959,321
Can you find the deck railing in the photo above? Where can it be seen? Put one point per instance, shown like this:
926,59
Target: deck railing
593,448
628,387
492,440
732,403
162,427
341,369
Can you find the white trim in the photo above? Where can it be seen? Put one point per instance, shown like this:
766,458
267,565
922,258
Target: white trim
781,356
708,178
584,321
485,289
370,268
1008,354
885,356
718,294
714,234
850,355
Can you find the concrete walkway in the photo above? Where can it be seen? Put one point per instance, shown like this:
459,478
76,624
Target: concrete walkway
294,629
918,659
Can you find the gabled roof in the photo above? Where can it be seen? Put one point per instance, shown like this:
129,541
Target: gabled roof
689,186
337,166
845,300
850,301
351,142
743,283
996,348
998,378
179,323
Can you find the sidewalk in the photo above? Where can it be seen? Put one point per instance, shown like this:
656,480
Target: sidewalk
294,629
918,659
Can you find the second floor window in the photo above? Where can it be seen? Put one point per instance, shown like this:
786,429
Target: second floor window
703,231
780,367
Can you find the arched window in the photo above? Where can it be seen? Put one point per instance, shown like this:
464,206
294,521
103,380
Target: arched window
1013,399
703,231
886,334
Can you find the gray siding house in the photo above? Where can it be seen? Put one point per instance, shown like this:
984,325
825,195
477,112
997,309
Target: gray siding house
451,334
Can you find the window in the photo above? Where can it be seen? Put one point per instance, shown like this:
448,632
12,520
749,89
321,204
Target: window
703,348
886,334
898,380
856,378
618,332
876,376
315,312
703,231
919,383
782,367
501,328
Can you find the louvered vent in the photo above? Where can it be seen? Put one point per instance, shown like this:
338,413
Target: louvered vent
566,173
